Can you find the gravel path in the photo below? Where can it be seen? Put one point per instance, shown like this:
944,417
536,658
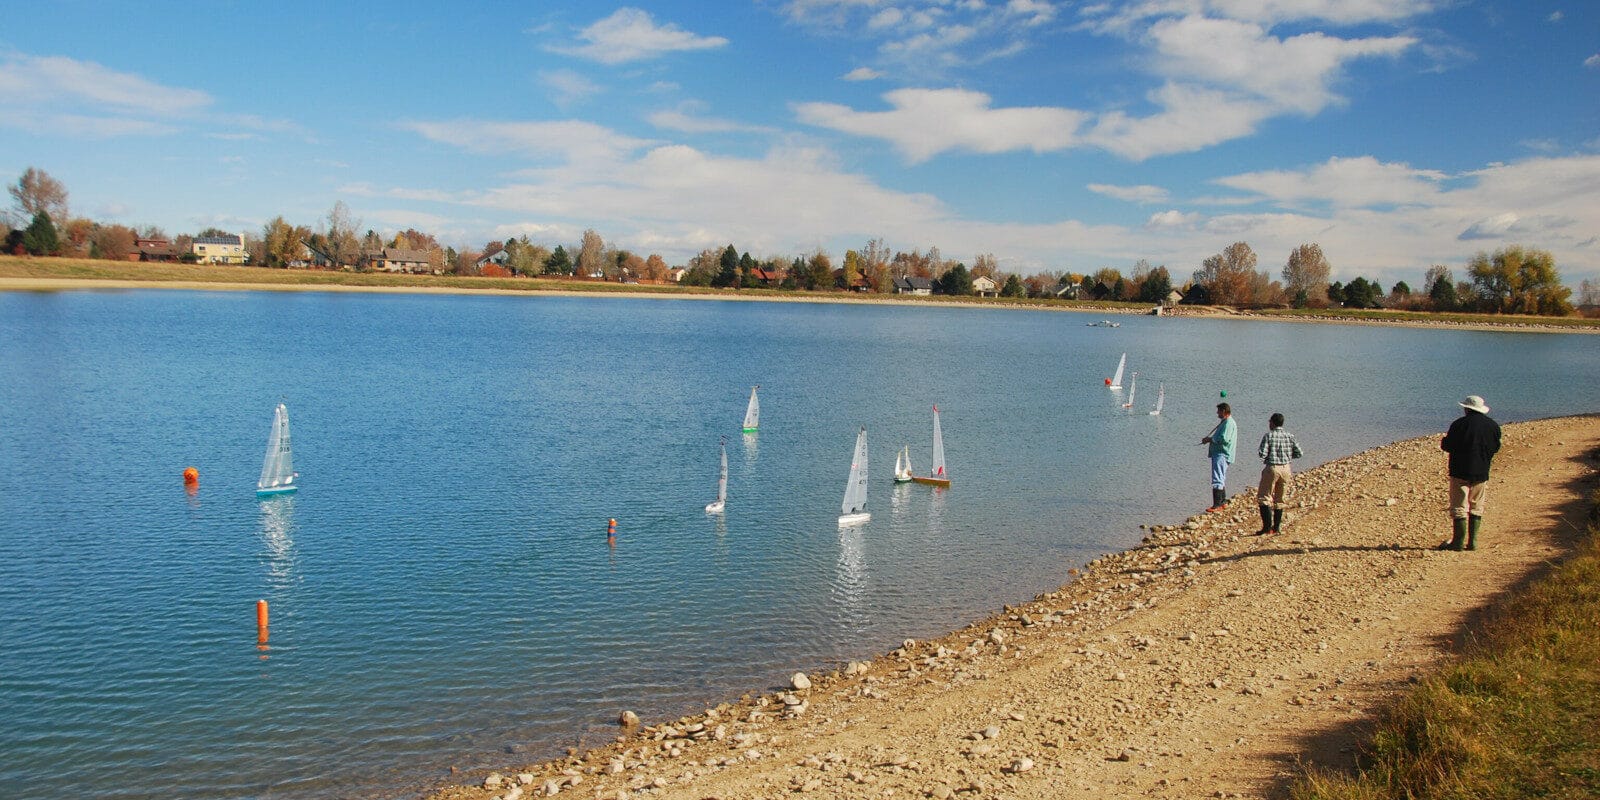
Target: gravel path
1207,663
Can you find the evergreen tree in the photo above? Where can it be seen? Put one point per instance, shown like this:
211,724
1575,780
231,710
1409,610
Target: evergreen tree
956,281
560,263
728,274
40,238
1013,287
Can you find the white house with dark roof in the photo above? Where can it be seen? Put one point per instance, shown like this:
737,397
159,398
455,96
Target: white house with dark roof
225,249
394,259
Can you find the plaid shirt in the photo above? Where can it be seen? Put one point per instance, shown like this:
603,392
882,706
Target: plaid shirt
1278,447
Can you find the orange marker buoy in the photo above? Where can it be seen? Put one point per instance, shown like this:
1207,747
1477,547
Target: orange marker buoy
261,622
191,476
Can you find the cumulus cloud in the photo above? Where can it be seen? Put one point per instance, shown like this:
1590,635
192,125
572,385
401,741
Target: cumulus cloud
1592,62
926,122
631,34
1173,218
862,74
687,118
1134,194
567,86
1189,118
1343,183
568,140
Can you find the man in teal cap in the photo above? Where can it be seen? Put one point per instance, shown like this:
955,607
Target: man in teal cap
1221,454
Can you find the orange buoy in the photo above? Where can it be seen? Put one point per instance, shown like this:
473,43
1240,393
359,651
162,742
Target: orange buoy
261,622
191,476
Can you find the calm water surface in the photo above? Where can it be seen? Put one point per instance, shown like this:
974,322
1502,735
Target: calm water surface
441,589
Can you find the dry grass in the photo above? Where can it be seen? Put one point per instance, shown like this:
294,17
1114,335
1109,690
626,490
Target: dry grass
1518,716
1380,315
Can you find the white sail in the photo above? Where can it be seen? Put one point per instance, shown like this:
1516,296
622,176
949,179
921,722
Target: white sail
854,507
721,502
277,468
902,465
1133,389
1116,380
752,412
938,446
1161,400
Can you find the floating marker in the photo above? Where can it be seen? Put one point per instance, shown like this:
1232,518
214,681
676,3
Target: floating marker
261,622
611,530
1224,392
191,476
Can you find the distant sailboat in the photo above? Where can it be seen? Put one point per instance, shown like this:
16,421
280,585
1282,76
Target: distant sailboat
854,509
1133,389
902,465
752,412
938,476
277,469
716,506
1115,381
1161,400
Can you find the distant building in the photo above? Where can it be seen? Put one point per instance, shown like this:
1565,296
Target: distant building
394,259
1065,291
676,274
496,254
769,278
984,286
913,284
153,250
225,249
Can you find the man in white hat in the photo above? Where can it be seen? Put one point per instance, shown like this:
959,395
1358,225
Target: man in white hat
1472,441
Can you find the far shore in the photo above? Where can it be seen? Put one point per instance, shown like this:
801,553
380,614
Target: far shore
41,275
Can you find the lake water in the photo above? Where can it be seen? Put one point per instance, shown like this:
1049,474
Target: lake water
441,587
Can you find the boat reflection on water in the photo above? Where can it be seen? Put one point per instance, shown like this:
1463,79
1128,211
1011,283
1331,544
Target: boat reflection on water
277,539
850,578
752,447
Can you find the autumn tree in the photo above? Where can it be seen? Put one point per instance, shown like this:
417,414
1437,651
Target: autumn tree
591,254
283,244
985,265
343,248
1517,281
1305,276
112,242
37,193
1228,276
655,267
819,271
874,259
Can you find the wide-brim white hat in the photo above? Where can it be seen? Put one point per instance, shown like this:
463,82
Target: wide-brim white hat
1475,403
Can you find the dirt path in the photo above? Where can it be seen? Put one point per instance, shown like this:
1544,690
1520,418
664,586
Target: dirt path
1205,664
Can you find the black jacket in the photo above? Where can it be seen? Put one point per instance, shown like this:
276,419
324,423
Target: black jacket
1472,441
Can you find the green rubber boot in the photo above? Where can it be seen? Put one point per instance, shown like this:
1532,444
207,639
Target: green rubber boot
1474,523
1458,540
1277,520
1266,520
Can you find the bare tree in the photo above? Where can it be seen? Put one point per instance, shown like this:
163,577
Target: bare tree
1229,276
1307,271
343,246
1589,293
591,254
986,265
37,192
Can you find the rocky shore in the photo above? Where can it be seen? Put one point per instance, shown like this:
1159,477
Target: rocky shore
1208,662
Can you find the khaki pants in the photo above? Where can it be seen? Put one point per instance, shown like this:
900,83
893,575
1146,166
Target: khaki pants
1467,498
1275,482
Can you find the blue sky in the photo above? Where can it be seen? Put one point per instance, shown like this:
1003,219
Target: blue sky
1056,135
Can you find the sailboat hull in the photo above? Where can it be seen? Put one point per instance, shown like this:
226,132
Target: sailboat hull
945,482
716,507
276,490
846,520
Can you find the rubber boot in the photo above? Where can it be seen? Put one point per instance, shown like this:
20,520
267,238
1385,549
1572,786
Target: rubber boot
1219,497
1266,520
1277,520
1474,522
1458,540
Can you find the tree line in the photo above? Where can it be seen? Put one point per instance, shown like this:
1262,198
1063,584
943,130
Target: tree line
1513,280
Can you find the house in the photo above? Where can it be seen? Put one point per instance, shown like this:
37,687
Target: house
861,283
1174,297
319,257
152,250
1100,291
676,274
496,254
225,249
769,278
913,284
1065,291
1197,295
394,259
985,286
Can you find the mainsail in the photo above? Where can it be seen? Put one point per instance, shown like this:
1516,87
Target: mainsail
277,468
722,480
938,445
1116,380
1161,400
855,492
752,412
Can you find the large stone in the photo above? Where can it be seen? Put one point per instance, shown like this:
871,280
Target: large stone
799,682
628,719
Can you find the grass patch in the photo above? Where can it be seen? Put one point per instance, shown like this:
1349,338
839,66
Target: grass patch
1518,716
1381,315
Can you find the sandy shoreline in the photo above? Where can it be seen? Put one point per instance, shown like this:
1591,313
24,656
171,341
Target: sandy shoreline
1206,662
21,284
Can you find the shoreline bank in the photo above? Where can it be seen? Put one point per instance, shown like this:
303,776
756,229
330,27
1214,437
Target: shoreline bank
57,284
1206,660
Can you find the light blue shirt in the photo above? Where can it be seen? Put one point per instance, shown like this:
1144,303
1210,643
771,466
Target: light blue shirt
1222,439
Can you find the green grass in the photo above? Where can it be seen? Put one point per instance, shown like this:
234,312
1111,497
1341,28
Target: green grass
1517,716
1382,315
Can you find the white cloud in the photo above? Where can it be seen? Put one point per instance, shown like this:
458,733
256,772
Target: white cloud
862,74
1555,16
631,34
57,79
687,119
1292,74
1126,17
1174,219
926,122
1592,62
1189,119
1032,12
1361,182
80,126
570,140
567,87
1133,194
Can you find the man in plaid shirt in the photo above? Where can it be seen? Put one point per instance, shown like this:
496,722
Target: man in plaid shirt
1277,449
